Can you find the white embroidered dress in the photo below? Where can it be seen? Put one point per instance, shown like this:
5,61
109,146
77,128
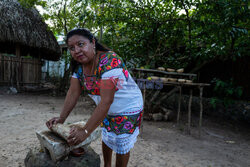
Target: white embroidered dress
127,101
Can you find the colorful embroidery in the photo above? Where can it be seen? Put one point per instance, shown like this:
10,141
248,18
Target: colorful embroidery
107,61
122,124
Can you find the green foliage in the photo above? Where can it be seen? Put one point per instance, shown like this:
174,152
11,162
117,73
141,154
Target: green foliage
223,26
225,92
32,3
169,33
153,33
6,54
27,57
66,57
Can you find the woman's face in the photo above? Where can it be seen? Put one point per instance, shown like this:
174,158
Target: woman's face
81,49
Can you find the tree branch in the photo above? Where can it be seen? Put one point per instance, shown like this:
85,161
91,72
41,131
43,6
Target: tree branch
64,18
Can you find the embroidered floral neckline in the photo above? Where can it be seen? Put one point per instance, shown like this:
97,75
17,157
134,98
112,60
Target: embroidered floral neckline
107,61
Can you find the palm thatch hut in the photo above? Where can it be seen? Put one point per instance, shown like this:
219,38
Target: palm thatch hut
23,34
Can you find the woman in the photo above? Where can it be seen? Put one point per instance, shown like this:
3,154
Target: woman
104,76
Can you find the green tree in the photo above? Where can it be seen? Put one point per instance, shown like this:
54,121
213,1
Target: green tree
32,3
65,15
153,33
221,31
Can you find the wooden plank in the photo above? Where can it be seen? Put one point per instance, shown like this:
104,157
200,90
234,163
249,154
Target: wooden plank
179,105
164,72
4,71
25,72
18,68
8,72
189,110
201,110
176,83
1,67
33,83
34,70
39,70
186,84
31,71
28,70
13,66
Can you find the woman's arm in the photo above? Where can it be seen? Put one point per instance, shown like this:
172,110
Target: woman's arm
71,98
107,93
70,101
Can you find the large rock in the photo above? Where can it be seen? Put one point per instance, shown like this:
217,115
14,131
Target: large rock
39,158
157,117
57,146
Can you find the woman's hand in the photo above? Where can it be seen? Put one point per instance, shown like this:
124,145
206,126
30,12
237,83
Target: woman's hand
77,135
54,121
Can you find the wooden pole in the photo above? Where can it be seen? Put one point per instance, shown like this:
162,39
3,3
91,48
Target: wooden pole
10,73
12,70
151,100
1,68
35,71
18,54
158,102
201,110
144,101
179,106
189,110
39,68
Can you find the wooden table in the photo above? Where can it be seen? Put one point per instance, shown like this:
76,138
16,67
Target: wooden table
177,87
175,74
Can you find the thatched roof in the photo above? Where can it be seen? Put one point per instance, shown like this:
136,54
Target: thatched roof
25,27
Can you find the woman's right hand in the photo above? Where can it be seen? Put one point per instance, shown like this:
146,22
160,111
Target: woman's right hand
54,121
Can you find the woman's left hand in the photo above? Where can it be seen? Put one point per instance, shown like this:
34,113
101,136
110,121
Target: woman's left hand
77,135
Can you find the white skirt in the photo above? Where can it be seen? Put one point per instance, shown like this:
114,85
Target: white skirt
121,144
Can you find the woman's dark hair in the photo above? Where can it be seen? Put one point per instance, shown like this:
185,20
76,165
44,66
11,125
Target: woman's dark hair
87,34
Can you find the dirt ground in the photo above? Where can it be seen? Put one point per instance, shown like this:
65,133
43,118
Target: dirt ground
161,144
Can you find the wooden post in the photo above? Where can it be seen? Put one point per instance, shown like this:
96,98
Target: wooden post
144,99
28,65
35,71
12,71
151,100
179,106
164,97
1,69
189,110
201,110
18,70
39,68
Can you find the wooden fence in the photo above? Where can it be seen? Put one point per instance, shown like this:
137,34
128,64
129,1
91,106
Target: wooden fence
15,71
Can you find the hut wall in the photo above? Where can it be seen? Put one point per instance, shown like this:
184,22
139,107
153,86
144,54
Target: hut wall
25,70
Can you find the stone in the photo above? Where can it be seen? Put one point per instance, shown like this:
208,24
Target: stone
157,117
37,158
58,147
166,117
247,107
12,90
170,115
